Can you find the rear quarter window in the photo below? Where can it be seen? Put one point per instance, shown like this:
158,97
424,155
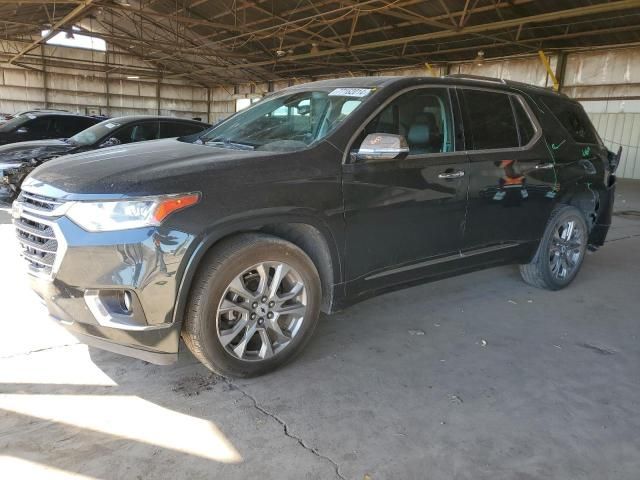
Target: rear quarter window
574,119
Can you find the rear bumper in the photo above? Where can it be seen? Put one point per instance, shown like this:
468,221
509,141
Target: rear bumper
600,230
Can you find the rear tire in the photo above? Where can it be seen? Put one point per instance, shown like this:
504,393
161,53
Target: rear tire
561,251
253,305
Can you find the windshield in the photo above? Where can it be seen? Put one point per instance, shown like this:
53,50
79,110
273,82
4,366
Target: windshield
94,133
287,122
14,123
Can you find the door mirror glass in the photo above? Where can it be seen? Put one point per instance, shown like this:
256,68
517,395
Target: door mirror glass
110,142
383,146
22,130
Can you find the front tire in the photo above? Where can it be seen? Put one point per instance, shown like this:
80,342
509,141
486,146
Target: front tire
561,251
254,305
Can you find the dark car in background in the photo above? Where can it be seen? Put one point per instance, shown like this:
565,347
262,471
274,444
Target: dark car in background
18,159
314,198
39,125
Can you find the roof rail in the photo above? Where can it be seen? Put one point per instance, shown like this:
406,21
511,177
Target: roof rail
477,78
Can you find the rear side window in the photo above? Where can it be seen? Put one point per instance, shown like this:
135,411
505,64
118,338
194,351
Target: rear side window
65,126
525,127
492,122
177,129
574,119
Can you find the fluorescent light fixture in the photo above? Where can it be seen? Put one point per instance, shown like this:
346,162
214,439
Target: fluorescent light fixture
133,77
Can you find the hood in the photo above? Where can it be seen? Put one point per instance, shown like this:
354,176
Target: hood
136,167
25,151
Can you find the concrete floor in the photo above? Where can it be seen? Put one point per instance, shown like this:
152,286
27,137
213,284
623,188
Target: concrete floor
474,377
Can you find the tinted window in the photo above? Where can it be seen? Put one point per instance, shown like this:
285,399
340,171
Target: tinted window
422,116
64,126
492,121
574,119
525,127
38,125
137,132
177,129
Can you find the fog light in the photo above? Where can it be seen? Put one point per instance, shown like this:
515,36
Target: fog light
125,301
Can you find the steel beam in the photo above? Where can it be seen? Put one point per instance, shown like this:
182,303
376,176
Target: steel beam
488,27
69,17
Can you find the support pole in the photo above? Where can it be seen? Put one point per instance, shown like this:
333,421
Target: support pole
158,96
44,78
208,105
550,72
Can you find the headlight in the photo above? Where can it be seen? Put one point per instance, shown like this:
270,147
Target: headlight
126,214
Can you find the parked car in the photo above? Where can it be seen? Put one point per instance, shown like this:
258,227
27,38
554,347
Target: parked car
18,159
43,125
4,117
317,197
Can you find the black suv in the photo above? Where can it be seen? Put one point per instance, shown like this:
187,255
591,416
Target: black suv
18,159
40,125
316,197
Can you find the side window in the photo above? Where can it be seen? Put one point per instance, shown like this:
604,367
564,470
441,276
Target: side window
422,116
137,132
492,122
574,119
525,127
84,123
176,129
39,125
63,126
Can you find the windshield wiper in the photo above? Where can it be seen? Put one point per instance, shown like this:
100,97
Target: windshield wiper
227,143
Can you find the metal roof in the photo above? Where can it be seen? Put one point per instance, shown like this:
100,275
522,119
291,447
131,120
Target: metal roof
216,42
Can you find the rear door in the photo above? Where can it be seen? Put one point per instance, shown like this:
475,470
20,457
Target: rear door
512,181
403,214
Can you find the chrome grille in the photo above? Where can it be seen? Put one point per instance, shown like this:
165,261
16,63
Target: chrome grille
39,202
38,244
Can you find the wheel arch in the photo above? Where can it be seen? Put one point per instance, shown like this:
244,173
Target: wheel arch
586,198
310,234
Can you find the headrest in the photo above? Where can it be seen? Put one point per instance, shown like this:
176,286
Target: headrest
426,117
418,134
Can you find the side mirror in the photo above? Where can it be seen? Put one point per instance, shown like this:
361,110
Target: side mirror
22,130
382,146
110,142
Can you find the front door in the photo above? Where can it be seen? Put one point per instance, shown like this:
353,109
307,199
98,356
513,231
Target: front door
402,213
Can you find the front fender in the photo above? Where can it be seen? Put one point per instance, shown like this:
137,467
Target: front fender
253,221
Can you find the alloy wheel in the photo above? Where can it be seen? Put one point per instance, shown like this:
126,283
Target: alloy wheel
261,311
566,248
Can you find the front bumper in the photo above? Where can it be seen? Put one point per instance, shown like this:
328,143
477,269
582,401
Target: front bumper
91,269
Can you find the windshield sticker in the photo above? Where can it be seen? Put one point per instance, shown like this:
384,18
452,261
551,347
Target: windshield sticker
111,125
350,92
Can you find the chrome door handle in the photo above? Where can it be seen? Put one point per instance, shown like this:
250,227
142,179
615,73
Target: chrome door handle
456,174
544,166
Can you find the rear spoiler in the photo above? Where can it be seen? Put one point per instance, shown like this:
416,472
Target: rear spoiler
614,159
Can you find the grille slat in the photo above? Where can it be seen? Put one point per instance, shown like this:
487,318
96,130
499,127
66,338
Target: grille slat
38,243
39,202
29,229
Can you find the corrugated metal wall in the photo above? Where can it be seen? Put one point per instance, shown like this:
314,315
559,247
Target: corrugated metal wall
621,129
